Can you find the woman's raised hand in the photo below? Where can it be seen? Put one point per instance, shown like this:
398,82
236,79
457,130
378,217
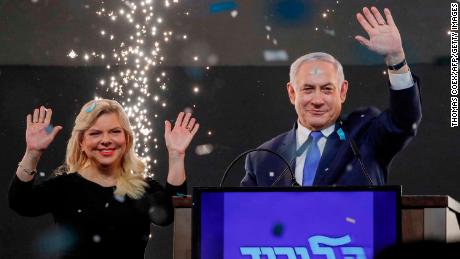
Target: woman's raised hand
178,138
40,133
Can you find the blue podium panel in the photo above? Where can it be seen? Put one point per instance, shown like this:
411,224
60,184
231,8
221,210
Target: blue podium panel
307,222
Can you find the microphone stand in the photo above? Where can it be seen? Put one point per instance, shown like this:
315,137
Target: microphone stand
357,154
298,152
250,151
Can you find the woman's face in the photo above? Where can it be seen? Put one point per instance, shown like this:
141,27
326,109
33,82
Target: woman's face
104,143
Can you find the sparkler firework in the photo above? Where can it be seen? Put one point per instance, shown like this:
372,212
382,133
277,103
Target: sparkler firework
133,59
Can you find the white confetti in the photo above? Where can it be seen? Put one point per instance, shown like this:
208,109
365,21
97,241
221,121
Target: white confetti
275,55
204,149
96,239
329,32
349,167
351,220
119,198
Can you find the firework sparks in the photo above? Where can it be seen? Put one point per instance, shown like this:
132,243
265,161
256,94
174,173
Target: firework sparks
135,55
72,54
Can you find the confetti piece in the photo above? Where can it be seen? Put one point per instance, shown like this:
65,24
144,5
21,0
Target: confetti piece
204,149
351,220
96,238
52,241
275,55
278,229
349,168
49,129
91,107
119,198
222,7
329,32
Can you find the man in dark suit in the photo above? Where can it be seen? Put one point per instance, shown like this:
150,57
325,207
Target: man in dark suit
317,89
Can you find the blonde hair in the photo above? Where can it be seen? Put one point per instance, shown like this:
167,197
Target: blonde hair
131,180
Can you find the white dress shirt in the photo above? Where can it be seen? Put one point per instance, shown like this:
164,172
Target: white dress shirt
302,135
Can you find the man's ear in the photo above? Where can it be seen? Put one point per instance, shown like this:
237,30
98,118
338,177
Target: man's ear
291,92
343,91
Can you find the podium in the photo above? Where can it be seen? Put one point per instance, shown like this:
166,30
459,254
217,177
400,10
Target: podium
424,217
430,217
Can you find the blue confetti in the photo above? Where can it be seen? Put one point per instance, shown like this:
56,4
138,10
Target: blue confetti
91,107
291,12
341,134
49,129
54,241
278,230
222,7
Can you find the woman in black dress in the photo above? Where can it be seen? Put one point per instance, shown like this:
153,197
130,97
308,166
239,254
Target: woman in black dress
102,204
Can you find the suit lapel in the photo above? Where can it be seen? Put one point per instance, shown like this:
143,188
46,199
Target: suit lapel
287,151
335,152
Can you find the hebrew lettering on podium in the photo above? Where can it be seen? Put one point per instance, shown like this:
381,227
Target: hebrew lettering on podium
319,245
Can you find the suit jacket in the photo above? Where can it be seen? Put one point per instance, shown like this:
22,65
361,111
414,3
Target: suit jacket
378,135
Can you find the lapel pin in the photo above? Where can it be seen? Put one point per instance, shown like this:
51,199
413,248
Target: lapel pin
341,134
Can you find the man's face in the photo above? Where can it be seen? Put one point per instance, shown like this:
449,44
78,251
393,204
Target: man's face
317,98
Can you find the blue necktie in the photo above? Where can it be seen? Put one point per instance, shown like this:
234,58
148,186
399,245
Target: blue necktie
312,159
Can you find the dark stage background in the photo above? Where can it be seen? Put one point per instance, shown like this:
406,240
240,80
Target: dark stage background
242,106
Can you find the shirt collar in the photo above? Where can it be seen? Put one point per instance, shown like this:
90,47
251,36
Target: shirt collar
303,133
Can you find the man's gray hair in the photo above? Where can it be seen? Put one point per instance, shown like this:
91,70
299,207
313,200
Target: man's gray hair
316,56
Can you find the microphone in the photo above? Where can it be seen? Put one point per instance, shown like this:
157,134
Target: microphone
298,153
357,155
250,151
